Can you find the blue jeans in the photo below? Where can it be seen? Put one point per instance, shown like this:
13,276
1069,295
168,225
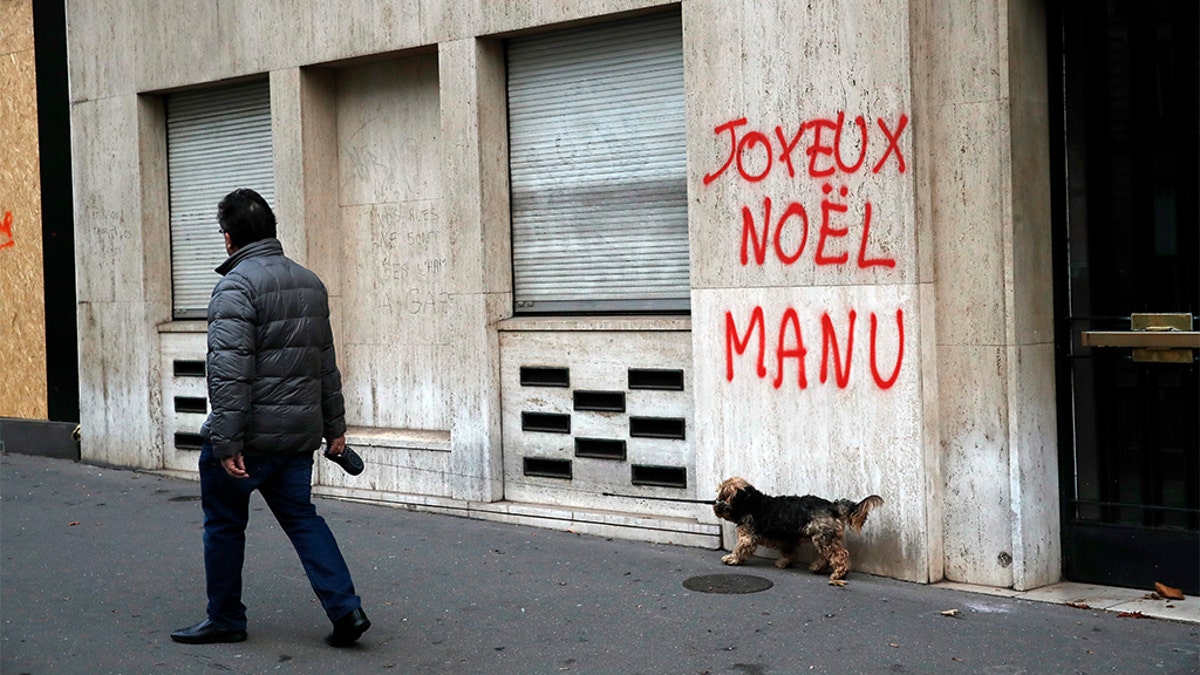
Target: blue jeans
285,482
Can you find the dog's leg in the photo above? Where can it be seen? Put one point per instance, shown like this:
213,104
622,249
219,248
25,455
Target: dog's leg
786,555
832,551
839,558
743,549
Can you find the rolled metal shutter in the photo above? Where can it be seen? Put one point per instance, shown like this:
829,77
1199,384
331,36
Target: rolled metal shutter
597,161
217,140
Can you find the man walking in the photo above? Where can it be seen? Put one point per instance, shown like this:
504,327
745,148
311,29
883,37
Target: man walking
275,392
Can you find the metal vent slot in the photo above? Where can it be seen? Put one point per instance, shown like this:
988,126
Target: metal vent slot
654,378
191,404
605,401
188,441
539,376
553,423
548,468
600,448
657,427
189,368
659,476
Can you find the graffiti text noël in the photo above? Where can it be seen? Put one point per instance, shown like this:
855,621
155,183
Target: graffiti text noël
795,218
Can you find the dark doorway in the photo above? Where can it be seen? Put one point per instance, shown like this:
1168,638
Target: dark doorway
58,224
1125,85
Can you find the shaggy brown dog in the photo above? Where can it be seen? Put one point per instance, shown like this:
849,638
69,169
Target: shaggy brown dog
783,522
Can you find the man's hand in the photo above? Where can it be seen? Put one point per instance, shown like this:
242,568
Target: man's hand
235,466
337,445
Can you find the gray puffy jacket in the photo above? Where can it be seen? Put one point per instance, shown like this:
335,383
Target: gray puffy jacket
273,381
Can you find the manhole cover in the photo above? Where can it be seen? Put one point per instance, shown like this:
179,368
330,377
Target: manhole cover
727,583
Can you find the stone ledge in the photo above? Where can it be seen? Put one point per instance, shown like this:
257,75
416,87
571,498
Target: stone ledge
616,524
183,326
399,439
595,323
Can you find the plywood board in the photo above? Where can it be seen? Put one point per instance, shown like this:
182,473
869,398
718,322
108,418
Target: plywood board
22,306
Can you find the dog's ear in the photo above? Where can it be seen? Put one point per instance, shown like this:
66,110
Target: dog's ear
747,494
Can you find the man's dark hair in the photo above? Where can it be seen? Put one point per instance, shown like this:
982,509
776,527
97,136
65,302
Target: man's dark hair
246,216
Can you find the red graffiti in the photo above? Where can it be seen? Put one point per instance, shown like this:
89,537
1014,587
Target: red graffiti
730,126
795,351
819,149
892,140
824,151
789,344
887,384
757,239
828,340
6,235
733,342
832,150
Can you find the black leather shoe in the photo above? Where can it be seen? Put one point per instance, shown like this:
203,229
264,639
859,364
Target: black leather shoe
348,629
206,632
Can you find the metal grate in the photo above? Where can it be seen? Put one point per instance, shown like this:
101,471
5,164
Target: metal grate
547,468
659,476
727,583
600,448
191,404
188,368
554,423
604,401
540,376
654,378
184,441
657,427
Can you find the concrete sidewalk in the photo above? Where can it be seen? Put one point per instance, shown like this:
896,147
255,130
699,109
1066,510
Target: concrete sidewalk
98,566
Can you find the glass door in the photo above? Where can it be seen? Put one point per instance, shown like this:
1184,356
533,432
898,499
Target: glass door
1126,76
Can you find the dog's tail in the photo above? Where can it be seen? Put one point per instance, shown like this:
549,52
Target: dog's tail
855,515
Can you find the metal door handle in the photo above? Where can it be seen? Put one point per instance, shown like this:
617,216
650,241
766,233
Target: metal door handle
1142,339
1153,337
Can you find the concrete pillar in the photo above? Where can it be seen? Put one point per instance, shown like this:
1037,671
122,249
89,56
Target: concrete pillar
475,170
989,204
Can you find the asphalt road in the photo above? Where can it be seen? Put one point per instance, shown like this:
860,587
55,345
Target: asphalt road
98,566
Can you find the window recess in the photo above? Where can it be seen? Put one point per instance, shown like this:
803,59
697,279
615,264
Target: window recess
597,161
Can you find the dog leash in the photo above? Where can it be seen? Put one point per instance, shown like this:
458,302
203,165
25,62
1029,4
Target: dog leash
661,499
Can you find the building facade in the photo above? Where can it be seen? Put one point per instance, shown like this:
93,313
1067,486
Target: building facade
584,256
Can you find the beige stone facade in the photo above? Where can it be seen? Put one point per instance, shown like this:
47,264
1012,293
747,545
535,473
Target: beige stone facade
868,207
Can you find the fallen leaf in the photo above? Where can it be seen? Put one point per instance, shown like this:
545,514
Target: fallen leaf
1168,592
950,612
955,658
1079,605
73,523
1131,615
